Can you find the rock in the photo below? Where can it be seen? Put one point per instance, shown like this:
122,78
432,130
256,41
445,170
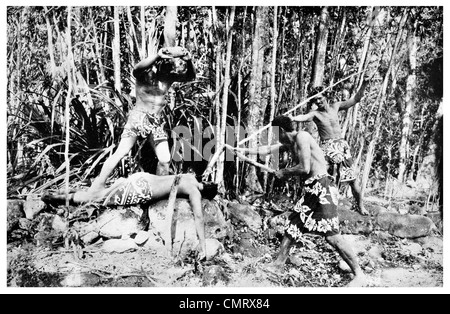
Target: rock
119,245
413,248
141,237
116,222
405,226
245,214
436,217
185,238
87,231
46,235
352,222
59,224
435,244
25,224
33,205
213,248
375,253
80,280
14,211
344,266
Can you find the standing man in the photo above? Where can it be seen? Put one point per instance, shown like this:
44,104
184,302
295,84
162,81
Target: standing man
154,76
316,211
336,149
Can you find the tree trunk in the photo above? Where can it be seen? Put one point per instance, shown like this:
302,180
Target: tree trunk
380,101
116,56
352,113
170,23
255,110
272,87
50,43
70,79
410,92
281,71
132,38
239,104
143,50
223,123
320,50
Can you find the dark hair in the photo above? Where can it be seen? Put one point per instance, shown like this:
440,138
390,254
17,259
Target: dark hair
209,190
165,66
315,90
283,122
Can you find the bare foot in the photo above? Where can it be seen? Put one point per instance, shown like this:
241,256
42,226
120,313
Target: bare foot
358,281
94,193
361,209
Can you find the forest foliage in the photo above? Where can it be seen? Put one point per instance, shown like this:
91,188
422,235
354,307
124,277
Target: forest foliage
69,88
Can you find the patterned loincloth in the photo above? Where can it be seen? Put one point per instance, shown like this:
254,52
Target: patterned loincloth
133,190
316,211
144,124
337,152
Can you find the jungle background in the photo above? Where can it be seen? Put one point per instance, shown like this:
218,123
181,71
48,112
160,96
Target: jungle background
69,89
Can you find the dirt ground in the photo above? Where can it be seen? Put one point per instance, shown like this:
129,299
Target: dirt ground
386,261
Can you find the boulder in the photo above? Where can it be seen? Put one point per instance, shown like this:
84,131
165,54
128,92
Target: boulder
119,245
352,222
87,231
405,226
185,237
50,230
245,214
119,222
141,237
14,211
33,205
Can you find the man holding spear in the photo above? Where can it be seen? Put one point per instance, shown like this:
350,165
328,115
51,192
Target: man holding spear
336,149
316,211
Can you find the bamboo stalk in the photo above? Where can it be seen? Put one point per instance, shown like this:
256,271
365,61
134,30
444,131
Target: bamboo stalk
68,97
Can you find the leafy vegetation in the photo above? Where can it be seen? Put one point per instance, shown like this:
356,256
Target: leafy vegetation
40,71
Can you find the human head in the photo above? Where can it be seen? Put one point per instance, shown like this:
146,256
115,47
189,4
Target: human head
285,125
283,122
319,100
209,190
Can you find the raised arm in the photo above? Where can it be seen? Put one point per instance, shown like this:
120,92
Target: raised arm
147,63
304,117
343,105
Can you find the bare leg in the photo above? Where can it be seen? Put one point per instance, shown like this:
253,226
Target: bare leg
277,265
284,251
162,169
356,190
190,187
163,154
98,185
346,252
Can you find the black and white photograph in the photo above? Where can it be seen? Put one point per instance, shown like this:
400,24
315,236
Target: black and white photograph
216,147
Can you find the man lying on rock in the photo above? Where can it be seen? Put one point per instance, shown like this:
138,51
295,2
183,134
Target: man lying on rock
143,187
